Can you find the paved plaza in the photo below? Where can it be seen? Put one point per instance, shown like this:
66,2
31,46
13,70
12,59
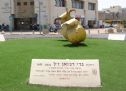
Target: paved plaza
91,33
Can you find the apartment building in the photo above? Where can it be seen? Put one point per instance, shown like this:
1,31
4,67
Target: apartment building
114,9
113,15
21,14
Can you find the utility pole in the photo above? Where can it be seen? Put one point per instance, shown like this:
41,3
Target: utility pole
39,15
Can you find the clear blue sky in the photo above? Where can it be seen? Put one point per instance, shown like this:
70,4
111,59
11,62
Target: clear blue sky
107,3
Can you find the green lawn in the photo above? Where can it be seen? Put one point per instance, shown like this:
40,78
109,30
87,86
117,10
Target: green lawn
16,56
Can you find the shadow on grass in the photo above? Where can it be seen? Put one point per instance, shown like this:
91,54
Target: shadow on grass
73,45
63,40
76,45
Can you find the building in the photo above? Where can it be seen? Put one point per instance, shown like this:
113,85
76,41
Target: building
114,9
20,14
113,15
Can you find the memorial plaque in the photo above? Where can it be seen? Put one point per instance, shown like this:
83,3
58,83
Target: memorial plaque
117,37
65,73
2,37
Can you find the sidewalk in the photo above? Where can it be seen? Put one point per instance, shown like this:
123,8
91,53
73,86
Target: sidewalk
18,35
88,31
24,33
91,33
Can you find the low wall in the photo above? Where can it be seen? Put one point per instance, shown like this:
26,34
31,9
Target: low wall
101,31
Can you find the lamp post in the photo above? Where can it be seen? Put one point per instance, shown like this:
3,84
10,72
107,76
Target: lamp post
11,18
39,15
10,7
66,4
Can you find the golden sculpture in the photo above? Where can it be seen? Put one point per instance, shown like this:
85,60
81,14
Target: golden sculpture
71,28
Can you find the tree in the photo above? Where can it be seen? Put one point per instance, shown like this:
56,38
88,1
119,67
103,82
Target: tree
124,22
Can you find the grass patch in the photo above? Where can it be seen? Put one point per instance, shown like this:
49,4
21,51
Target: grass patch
16,56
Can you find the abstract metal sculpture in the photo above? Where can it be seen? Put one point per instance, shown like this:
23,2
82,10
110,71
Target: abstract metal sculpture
71,28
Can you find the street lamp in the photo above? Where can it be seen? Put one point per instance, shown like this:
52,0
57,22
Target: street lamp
10,7
11,18
39,15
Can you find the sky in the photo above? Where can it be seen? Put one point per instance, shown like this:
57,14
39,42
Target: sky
107,3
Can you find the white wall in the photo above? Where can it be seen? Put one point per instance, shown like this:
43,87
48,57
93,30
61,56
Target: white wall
42,11
91,14
4,11
55,11
48,11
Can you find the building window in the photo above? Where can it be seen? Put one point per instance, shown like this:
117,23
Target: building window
91,6
18,3
31,3
25,3
77,4
60,3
